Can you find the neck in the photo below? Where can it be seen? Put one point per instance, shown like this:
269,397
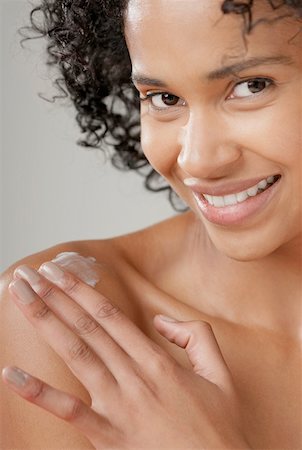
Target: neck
262,293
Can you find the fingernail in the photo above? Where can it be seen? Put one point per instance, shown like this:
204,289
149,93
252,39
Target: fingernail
24,292
167,319
52,272
15,376
29,274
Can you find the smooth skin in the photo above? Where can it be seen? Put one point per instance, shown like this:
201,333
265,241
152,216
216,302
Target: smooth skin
130,385
244,280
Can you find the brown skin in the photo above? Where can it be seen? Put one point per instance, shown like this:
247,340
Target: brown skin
245,281
261,364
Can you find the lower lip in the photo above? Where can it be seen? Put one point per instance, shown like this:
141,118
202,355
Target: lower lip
236,214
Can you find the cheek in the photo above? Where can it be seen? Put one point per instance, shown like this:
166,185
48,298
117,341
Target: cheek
274,135
284,136
161,144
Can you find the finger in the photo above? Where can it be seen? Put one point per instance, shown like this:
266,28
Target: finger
201,346
59,403
79,321
85,364
109,316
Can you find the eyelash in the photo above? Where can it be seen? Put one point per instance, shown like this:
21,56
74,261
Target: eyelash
270,82
148,97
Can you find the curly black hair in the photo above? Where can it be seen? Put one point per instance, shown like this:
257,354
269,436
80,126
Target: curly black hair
86,42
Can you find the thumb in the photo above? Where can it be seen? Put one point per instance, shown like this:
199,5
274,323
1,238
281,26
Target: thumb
200,344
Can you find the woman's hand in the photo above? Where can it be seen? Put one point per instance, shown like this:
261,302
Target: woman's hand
141,398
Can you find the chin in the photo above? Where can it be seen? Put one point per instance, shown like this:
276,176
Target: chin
245,255
246,246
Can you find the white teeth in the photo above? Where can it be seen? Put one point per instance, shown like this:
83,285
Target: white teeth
233,199
241,196
230,199
252,191
262,184
218,201
208,198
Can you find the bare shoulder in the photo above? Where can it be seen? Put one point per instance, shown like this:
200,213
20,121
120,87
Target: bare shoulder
123,264
21,346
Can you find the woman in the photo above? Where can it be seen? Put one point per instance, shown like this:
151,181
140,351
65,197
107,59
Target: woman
220,92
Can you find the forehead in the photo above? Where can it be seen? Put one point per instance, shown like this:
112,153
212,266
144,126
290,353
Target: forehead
181,32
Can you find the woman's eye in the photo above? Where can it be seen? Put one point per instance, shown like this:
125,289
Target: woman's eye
250,87
163,100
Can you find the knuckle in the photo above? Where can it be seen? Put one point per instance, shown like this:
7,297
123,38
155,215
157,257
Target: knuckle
36,391
71,284
73,410
200,326
42,312
47,291
85,325
106,309
80,351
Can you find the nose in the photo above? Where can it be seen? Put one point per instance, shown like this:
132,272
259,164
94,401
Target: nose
207,148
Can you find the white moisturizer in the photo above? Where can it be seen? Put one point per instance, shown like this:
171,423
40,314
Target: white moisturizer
84,268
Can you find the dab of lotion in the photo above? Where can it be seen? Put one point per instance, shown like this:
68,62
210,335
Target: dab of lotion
84,268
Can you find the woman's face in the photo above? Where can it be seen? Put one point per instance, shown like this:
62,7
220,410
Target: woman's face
220,115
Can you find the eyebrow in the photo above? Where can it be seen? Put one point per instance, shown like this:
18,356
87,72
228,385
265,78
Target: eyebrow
222,72
143,79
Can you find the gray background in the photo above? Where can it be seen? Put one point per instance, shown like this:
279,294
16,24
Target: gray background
52,190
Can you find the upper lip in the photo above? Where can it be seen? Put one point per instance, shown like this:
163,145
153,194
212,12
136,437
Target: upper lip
231,187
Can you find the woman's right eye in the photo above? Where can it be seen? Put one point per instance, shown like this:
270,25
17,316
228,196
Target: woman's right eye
162,100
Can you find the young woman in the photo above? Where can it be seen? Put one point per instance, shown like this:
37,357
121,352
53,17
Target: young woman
220,86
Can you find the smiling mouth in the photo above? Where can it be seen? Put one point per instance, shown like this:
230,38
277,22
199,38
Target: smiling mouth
232,199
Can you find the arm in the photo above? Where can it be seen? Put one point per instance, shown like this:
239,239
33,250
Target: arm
126,374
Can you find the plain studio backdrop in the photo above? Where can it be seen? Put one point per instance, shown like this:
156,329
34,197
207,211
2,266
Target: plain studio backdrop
53,190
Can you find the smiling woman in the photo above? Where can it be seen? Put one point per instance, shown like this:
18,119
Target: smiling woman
218,84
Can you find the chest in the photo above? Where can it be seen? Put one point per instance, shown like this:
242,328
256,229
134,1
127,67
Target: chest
266,366
267,371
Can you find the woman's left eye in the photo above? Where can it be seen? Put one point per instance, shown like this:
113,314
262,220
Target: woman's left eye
250,87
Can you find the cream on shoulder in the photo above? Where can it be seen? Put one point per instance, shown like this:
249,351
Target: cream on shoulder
85,268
